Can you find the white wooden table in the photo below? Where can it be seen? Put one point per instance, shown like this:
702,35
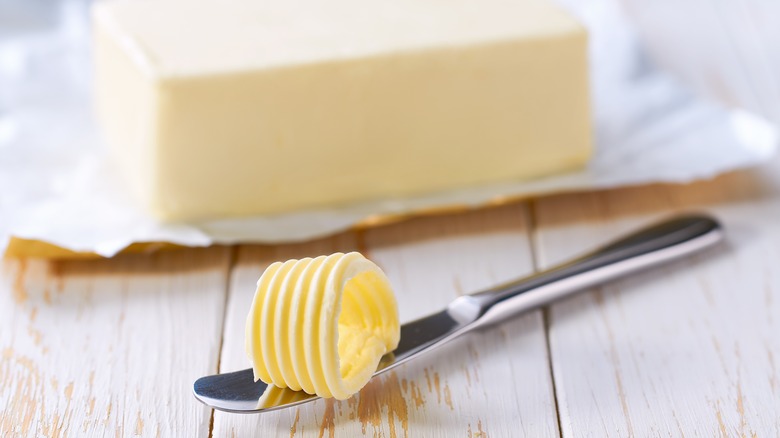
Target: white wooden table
111,348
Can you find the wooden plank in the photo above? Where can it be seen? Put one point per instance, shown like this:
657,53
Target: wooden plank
690,349
496,382
492,383
111,347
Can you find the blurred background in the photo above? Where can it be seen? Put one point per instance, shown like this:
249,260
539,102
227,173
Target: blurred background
727,49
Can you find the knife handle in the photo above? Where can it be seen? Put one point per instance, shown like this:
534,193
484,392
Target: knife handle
651,246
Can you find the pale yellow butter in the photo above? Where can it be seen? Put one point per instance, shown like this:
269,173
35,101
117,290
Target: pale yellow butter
321,325
228,108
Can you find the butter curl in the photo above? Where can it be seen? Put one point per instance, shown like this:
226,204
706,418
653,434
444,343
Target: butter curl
321,325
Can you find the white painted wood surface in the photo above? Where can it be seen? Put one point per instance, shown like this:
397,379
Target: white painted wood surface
109,348
691,349
112,347
494,383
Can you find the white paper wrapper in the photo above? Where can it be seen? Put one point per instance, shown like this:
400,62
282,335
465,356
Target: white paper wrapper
57,187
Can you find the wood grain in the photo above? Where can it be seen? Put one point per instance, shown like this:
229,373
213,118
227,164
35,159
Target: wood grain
112,347
687,349
494,383
109,348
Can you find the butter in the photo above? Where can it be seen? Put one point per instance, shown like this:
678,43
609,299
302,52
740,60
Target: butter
321,325
238,107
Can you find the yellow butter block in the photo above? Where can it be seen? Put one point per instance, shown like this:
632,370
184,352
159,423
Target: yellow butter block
231,108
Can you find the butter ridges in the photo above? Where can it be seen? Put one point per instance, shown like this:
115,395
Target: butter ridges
321,325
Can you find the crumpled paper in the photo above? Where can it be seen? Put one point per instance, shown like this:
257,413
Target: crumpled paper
57,186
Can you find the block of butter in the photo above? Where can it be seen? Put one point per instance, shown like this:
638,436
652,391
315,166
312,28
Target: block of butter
240,107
